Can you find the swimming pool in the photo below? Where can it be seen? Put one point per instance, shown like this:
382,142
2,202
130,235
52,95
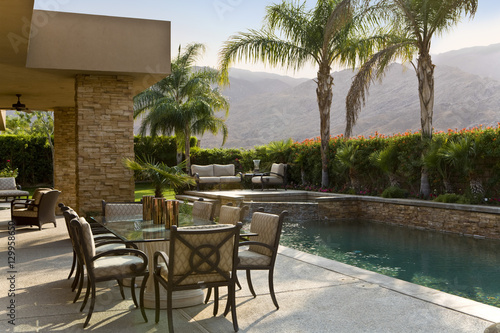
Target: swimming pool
458,265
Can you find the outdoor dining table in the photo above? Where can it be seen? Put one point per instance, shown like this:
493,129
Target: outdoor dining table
150,237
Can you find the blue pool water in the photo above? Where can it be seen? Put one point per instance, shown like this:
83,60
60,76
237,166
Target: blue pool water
455,264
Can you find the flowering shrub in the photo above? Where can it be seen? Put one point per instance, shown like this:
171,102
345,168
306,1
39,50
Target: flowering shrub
8,171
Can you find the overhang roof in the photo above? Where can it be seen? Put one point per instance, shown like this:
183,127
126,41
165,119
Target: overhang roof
42,51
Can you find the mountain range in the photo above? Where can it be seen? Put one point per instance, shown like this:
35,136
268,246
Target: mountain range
269,107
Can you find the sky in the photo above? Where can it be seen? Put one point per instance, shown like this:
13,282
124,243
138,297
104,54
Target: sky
212,22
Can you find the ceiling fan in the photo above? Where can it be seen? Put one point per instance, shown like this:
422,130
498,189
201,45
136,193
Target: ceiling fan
18,106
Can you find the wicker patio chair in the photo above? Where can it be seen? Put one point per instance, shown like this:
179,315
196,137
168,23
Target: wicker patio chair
203,210
119,211
38,211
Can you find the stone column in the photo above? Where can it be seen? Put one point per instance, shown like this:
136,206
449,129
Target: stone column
104,127
65,155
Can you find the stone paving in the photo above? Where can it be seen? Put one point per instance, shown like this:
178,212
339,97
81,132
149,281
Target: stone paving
315,295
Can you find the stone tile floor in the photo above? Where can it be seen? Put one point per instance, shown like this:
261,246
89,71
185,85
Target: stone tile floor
315,295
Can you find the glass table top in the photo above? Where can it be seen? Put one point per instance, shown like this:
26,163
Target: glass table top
134,229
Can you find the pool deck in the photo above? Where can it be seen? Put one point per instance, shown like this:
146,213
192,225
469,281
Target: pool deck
315,295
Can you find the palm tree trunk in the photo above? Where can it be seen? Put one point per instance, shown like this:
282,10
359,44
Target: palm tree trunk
425,74
187,148
324,95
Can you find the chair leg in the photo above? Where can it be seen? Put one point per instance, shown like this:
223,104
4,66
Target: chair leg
86,295
120,284
232,298
132,290
216,300
209,293
170,316
80,285
271,289
157,299
92,303
77,278
72,265
237,282
141,297
250,286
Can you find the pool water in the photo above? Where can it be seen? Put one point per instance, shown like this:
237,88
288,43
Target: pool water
455,264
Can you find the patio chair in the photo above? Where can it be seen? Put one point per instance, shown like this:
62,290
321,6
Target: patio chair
198,257
38,211
276,177
232,214
116,264
262,249
119,211
203,210
104,242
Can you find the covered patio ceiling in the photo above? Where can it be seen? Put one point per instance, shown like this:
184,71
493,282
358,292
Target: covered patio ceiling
42,51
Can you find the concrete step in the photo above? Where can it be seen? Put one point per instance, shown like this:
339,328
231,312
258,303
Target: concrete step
192,198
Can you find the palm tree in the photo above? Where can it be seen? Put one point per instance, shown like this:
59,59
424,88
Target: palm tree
387,160
293,36
462,155
183,103
161,175
412,24
348,158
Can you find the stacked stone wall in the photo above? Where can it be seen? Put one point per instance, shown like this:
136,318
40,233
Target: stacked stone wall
65,155
466,220
104,109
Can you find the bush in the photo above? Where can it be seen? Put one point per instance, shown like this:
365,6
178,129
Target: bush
451,198
394,192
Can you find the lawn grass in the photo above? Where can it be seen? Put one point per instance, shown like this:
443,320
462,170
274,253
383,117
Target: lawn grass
142,189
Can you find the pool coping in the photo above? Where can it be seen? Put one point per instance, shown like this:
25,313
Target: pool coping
449,301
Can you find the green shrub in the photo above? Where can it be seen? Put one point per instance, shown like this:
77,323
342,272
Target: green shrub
450,198
394,192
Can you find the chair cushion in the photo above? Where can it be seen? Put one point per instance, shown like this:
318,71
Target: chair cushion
267,180
278,168
266,225
223,170
192,279
202,210
24,212
202,170
251,258
116,265
119,211
229,214
108,247
88,238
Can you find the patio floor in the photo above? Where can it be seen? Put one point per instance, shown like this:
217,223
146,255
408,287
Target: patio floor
315,295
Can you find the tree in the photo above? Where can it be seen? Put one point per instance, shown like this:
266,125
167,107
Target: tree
33,123
411,25
183,103
293,36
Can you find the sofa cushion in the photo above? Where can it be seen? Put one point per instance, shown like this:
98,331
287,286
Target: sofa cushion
202,170
8,183
223,170
209,180
230,179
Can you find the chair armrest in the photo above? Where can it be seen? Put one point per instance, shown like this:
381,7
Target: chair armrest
115,252
162,256
257,243
196,176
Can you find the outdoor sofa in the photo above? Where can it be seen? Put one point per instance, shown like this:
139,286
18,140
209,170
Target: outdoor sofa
215,174
9,188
